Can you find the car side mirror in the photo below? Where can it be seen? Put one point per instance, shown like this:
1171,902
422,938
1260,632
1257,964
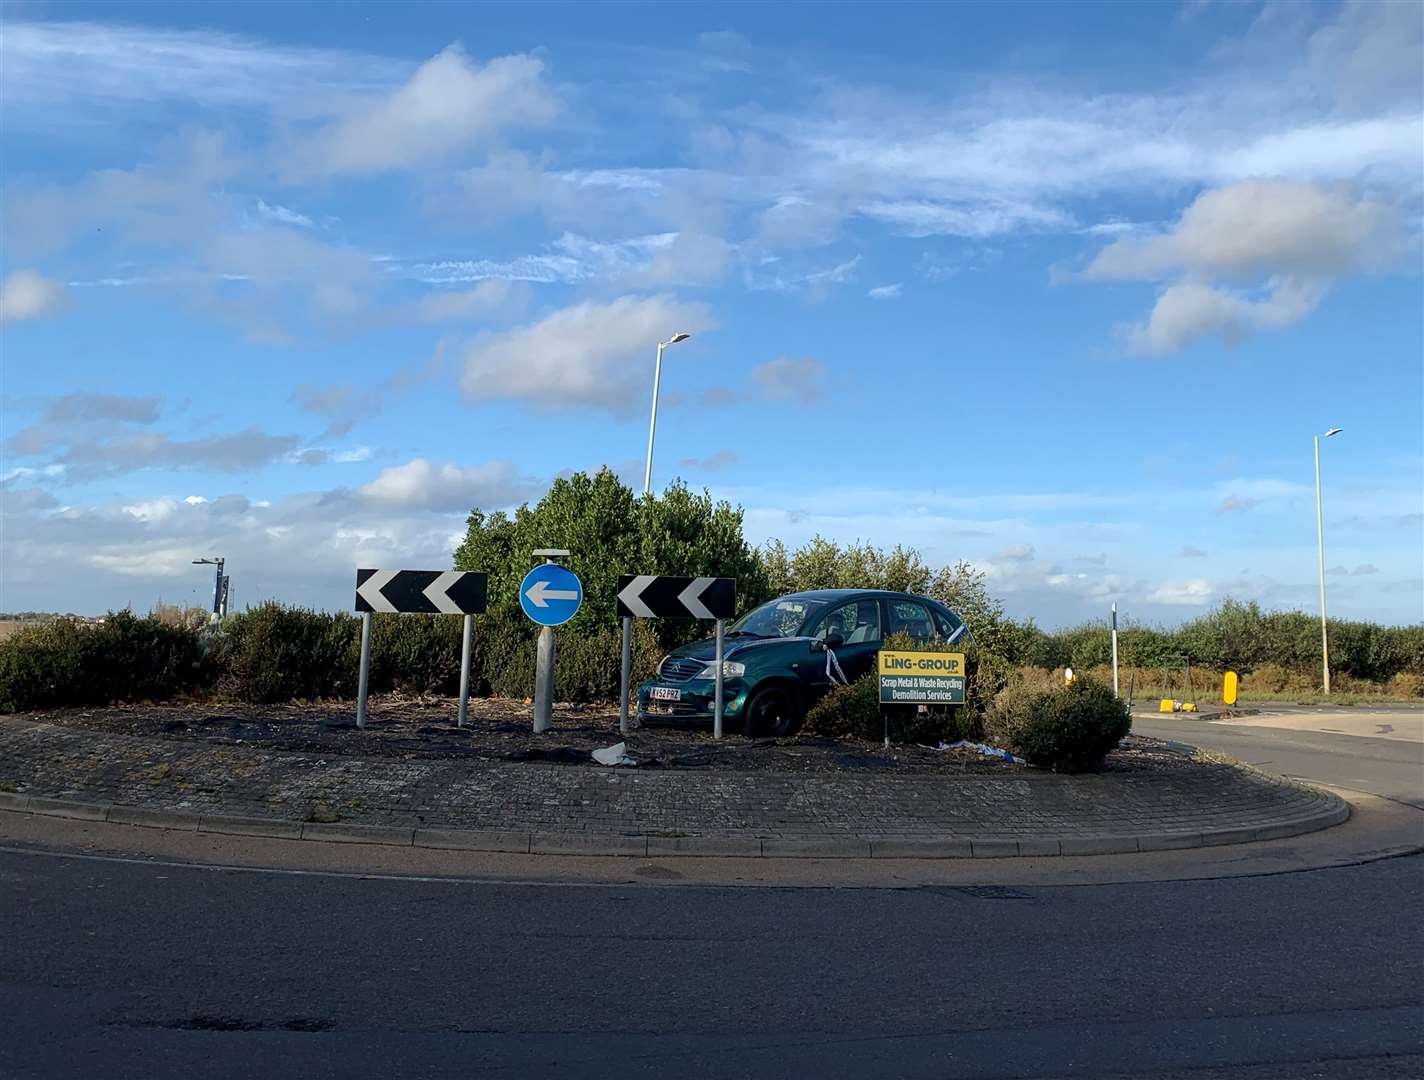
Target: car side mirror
832,641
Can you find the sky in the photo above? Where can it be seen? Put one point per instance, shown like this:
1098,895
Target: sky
1061,290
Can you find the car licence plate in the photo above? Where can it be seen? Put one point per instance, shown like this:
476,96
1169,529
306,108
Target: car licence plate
665,693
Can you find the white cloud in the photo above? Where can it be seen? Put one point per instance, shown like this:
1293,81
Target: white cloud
591,354
885,292
485,298
1294,239
1263,227
977,219
1190,592
26,294
447,106
722,459
425,485
282,215
785,379
1188,311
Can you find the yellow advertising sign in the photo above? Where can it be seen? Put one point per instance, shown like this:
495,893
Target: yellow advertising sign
925,678
896,662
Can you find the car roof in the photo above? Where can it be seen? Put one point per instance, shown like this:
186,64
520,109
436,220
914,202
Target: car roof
829,595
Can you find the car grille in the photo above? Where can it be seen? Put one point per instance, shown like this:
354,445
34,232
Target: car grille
680,668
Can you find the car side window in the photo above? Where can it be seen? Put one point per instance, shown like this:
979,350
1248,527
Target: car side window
944,626
857,623
908,617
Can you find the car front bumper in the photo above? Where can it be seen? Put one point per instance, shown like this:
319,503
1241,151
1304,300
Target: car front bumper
696,701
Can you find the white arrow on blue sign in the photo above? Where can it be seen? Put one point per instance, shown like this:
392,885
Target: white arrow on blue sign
550,594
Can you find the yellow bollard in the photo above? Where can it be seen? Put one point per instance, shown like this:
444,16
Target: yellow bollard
1229,686
1167,705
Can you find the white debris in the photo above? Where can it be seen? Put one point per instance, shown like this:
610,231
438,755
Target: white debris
985,749
617,754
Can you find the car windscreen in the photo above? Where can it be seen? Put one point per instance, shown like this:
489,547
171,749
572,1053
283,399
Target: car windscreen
779,618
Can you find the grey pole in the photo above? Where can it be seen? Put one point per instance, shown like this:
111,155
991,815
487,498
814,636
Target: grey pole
365,678
544,681
544,662
217,590
1114,644
465,637
653,423
627,674
717,697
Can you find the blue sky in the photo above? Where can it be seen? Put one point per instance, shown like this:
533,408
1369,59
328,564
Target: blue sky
1063,290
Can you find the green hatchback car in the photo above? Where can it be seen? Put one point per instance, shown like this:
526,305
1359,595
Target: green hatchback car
780,658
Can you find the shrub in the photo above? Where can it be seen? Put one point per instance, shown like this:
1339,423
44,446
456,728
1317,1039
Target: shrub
272,653
417,654
847,711
1067,730
125,658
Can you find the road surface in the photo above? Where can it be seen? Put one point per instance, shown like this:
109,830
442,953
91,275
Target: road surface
117,967
1379,749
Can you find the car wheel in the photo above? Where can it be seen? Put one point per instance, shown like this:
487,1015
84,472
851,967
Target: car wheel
771,712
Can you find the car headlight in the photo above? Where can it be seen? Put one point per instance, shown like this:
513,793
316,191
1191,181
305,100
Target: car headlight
730,670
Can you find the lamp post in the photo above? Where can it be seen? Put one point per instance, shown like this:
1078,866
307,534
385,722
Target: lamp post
218,598
653,424
1320,543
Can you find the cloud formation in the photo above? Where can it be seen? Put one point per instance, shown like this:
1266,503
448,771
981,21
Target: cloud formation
27,294
448,105
1285,242
426,485
591,354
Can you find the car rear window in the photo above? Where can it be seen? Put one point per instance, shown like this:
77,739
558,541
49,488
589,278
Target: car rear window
908,617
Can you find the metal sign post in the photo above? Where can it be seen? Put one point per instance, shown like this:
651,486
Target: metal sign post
659,596
717,697
419,592
365,677
627,674
466,634
550,595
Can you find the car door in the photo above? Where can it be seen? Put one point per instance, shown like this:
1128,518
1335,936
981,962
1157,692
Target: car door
858,622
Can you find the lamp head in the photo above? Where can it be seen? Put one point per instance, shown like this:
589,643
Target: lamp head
1333,431
678,337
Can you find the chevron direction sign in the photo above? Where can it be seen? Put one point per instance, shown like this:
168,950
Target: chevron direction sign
657,596
421,592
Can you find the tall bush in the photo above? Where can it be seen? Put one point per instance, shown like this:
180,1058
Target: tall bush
1071,729
124,658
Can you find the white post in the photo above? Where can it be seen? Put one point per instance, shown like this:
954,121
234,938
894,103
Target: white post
465,638
364,679
717,697
627,674
653,424
1320,541
1114,644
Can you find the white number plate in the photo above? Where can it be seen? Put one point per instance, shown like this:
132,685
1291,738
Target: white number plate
665,693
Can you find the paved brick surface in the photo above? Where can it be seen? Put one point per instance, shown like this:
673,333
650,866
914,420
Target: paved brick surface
45,760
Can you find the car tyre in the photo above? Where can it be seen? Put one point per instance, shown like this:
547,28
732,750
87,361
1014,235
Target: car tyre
772,712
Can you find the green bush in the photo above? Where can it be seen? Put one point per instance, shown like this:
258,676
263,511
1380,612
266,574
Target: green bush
273,653
415,654
1067,730
124,658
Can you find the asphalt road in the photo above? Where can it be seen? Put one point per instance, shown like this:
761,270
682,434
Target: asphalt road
1309,749
119,968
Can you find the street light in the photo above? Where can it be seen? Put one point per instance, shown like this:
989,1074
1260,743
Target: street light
653,425
1320,541
218,605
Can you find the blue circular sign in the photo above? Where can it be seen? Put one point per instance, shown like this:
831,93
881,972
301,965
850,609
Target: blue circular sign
550,594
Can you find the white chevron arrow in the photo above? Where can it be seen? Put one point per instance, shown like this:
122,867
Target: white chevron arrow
632,596
370,590
691,597
435,591
540,593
